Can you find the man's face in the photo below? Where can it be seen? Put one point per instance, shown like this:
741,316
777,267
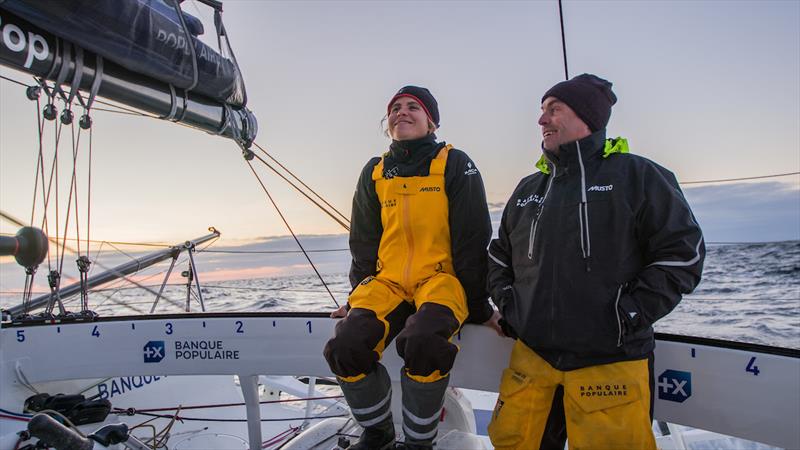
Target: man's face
560,124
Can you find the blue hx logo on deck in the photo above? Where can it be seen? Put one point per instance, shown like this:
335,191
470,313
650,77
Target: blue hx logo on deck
674,386
154,351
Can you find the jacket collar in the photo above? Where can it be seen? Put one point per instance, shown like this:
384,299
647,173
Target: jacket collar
413,151
591,147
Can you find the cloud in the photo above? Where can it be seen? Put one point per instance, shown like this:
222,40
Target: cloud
747,212
740,212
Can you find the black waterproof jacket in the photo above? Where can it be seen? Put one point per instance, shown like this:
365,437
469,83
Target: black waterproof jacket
470,225
589,256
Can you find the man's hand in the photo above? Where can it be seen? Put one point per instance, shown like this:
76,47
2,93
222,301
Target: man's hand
341,312
494,323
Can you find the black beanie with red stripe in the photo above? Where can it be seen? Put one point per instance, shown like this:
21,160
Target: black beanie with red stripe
423,97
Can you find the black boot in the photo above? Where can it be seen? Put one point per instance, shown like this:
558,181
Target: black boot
370,401
409,446
422,407
378,437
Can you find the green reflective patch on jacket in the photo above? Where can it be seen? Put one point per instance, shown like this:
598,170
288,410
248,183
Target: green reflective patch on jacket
542,165
616,145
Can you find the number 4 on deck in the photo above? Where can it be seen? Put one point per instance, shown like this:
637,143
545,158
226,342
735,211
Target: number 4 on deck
751,367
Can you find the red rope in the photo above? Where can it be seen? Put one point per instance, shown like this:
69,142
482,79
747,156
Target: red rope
22,419
278,438
225,405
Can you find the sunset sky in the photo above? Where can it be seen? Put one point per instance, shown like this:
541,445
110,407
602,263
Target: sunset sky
709,89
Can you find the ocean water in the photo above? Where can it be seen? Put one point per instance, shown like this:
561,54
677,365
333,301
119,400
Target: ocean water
749,293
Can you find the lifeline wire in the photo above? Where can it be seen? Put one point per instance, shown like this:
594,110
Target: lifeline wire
741,179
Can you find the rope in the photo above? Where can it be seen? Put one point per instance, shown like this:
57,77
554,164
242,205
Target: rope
74,186
209,286
308,258
563,40
55,169
725,180
89,198
203,419
39,160
280,437
338,220
141,244
132,411
277,251
301,182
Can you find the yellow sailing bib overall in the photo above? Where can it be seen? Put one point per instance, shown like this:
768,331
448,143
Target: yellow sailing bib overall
415,262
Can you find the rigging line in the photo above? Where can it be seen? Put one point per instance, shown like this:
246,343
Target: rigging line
742,178
214,286
129,110
89,198
75,148
225,405
122,112
124,108
301,182
97,257
129,305
13,81
202,419
142,244
55,170
121,277
339,221
249,164
69,202
208,286
277,251
748,242
39,160
45,193
563,40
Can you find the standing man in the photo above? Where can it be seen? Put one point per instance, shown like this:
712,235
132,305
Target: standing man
591,251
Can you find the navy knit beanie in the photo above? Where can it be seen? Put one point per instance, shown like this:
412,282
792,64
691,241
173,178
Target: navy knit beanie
589,96
423,97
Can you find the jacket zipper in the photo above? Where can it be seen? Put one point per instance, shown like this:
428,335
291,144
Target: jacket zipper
409,241
583,216
535,221
619,320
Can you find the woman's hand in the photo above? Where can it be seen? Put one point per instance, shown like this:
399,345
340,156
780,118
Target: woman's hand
341,312
494,323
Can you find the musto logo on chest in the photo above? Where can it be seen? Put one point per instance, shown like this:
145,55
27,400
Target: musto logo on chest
674,386
430,189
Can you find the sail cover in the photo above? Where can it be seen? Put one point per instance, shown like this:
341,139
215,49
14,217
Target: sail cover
148,37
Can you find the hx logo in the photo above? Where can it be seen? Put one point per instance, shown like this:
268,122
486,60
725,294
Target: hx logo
674,386
154,351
